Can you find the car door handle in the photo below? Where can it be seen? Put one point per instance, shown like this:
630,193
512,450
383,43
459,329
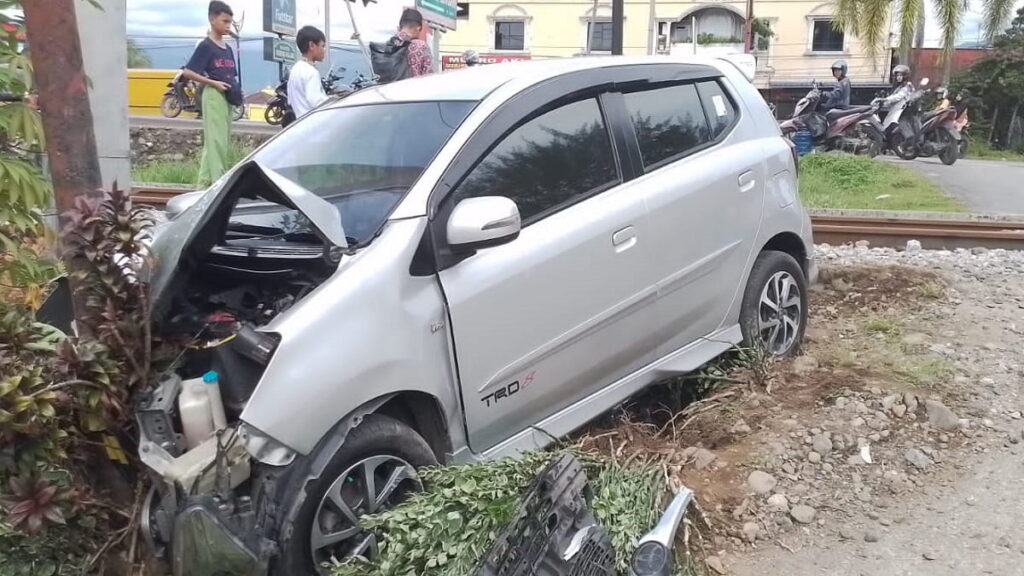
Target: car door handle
747,181
624,239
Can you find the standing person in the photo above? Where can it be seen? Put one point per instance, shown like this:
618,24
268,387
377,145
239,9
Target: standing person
305,90
410,26
213,65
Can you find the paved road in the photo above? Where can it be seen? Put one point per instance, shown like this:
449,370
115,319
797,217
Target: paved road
240,126
982,185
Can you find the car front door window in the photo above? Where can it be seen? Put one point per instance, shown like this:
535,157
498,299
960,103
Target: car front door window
547,163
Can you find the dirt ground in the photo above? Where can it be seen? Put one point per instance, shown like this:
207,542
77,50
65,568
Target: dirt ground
893,445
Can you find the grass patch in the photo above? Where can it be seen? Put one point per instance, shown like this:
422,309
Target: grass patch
856,182
982,151
882,325
932,372
181,171
446,529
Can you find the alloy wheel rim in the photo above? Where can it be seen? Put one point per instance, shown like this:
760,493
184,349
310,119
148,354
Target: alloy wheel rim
780,313
369,486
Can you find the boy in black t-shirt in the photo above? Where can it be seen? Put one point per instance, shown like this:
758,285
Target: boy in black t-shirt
213,66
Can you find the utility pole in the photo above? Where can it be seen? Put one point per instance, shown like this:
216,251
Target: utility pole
748,32
618,15
56,51
652,30
327,31
590,28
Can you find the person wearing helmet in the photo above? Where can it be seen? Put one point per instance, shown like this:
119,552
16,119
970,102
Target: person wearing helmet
471,58
839,97
901,79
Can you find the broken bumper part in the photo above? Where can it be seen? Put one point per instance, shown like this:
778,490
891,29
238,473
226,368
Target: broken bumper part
205,546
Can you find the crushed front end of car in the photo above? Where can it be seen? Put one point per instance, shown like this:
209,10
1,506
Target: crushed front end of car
227,267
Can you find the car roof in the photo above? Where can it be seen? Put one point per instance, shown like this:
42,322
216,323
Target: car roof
475,83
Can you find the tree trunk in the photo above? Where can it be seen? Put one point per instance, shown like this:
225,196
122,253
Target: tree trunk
992,129
1008,144
67,118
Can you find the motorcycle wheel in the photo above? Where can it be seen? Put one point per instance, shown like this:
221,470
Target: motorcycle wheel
964,144
274,114
170,106
861,139
237,112
898,145
950,149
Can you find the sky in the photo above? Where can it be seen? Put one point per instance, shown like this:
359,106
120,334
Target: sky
969,32
171,18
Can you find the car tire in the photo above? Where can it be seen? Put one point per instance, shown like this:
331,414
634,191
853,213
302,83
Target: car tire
382,441
773,272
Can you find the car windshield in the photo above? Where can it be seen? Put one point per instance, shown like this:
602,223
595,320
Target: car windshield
362,159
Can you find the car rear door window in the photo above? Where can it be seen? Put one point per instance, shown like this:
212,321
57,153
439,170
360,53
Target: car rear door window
547,163
669,122
718,107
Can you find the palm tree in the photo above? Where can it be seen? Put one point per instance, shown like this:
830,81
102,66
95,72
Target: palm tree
137,56
868,20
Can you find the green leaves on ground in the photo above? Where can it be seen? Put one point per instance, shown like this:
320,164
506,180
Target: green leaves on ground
446,529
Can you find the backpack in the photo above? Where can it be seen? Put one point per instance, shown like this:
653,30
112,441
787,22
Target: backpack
390,60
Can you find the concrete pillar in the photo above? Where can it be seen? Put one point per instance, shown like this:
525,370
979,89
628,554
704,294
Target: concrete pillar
103,34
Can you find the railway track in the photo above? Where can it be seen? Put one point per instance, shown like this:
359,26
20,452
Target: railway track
893,232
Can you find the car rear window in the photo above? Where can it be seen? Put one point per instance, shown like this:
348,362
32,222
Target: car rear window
669,122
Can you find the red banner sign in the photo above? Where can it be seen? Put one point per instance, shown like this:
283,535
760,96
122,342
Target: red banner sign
457,61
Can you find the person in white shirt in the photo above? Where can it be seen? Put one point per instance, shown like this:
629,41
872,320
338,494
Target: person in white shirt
305,90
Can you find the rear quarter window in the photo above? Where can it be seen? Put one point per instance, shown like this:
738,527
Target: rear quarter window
669,122
719,107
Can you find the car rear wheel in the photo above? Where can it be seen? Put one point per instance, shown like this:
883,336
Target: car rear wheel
372,471
773,315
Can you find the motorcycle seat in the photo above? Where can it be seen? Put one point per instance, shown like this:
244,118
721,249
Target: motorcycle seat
837,113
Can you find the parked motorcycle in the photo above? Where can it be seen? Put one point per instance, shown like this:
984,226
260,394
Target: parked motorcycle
847,129
279,111
183,96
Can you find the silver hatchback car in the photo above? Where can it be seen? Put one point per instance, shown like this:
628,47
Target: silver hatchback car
452,268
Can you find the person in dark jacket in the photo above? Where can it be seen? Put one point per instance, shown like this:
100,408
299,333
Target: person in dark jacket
839,97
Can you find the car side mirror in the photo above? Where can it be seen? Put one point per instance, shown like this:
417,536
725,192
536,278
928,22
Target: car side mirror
483,222
178,204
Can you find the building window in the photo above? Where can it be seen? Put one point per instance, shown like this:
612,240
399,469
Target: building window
509,35
599,36
825,38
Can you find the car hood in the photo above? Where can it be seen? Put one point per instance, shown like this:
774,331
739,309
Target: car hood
179,244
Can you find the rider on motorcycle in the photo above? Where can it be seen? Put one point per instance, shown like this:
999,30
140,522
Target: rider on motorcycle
901,83
471,58
839,97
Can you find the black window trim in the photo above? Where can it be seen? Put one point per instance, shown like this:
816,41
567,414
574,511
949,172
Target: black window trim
434,254
696,149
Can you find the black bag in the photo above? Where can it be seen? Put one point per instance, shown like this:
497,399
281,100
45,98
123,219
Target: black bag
390,60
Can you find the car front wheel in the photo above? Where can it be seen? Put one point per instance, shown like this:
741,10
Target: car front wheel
774,310
372,471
